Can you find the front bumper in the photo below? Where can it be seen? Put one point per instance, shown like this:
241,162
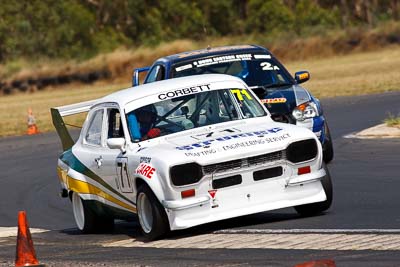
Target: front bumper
246,199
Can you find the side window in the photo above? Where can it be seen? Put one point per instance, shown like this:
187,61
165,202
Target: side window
157,73
93,134
115,129
161,73
227,110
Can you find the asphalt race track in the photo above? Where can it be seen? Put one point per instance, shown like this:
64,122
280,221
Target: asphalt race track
362,228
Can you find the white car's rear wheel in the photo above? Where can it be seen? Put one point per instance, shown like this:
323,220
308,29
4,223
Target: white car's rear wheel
152,217
86,220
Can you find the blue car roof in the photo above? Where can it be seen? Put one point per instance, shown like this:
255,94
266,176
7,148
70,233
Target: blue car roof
214,51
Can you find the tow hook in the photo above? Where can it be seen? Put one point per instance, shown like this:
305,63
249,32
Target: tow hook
63,193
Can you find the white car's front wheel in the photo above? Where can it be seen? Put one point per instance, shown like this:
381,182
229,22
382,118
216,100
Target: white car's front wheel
152,218
319,207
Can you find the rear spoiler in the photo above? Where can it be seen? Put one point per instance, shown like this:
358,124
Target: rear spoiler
57,115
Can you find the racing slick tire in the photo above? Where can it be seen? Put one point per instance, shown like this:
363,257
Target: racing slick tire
319,207
86,219
327,147
152,217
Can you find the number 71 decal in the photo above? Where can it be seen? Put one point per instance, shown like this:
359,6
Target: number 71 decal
124,182
240,93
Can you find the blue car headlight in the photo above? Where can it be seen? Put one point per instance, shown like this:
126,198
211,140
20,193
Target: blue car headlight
305,111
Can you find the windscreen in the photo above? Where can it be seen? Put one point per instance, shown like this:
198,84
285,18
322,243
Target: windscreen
260,70
186,112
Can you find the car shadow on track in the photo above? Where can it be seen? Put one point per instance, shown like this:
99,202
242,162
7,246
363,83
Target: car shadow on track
264,220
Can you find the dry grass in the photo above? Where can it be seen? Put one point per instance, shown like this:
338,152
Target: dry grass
284,45
355,74
15,107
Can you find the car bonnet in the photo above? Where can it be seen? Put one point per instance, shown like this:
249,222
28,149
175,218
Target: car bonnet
228,141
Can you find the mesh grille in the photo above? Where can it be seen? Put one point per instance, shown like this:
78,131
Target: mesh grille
265,158
223,166
246,162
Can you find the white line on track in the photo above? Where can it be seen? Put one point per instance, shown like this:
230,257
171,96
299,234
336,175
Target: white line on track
13,231
315,239
351,136
308,231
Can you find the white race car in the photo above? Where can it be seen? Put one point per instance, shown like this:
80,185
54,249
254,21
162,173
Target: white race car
185,152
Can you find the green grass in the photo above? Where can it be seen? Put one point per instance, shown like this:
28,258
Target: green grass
353,74
393,121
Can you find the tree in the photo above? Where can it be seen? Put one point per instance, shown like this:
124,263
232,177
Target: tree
266,16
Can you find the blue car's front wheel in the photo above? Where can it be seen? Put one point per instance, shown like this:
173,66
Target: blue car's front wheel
328,145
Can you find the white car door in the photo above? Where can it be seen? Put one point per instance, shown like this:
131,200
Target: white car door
93,151
115,161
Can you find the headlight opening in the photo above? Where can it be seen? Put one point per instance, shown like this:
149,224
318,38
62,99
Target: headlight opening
302,151
186,174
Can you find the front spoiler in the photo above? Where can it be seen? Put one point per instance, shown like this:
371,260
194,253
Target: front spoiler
307,178
236,201
185,203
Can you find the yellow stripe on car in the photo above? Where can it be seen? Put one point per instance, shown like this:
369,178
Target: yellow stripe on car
86,188
62,175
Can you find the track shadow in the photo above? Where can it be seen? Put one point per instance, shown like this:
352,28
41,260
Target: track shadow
131,228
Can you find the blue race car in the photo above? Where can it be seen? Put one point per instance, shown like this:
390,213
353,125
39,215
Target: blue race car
287,101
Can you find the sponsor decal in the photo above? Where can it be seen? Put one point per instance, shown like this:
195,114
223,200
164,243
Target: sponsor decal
207,143
184,67
243,144
221,59
274,100
184,91
227,58
145,159
201,153
145,170
216,49
277,139
262,56
198,136
256,142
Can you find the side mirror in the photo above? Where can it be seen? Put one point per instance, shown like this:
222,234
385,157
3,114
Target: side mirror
302,76
116,143
136,73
